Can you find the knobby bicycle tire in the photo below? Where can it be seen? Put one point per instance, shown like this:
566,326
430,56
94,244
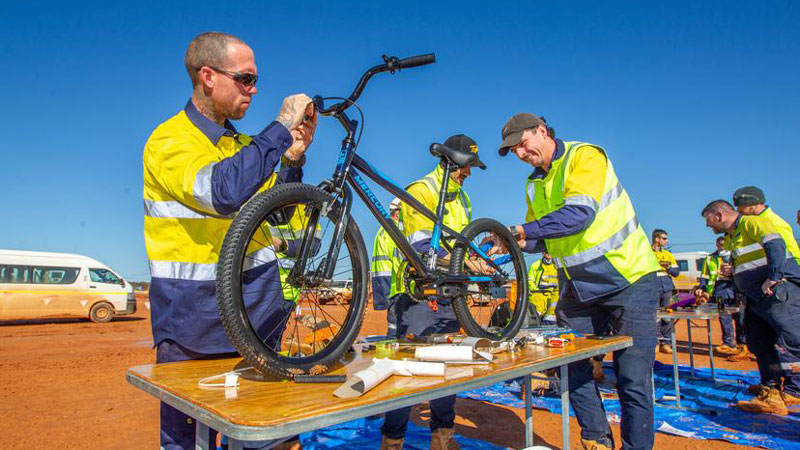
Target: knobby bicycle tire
229,290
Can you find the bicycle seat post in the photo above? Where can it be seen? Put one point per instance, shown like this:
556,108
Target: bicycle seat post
437,227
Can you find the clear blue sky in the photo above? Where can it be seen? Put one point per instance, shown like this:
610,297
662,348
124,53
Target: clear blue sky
691,100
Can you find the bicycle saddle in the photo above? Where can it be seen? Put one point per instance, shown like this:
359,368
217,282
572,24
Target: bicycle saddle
460,158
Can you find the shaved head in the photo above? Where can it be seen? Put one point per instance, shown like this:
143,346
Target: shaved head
208,49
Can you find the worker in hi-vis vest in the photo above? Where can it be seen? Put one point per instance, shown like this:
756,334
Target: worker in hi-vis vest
198,171
386,260
769,277
417,317
543,287
719,289
669,270
579,211
750,201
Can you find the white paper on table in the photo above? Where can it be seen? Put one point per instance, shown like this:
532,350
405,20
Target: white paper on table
450,354
364,380
419,368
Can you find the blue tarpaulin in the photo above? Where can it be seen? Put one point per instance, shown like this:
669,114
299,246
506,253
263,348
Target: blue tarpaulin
717,418
365,434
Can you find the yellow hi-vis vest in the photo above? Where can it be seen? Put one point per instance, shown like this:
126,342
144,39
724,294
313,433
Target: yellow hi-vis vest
418,228
386,260
291,231
785,230
182,231
613,251
543,287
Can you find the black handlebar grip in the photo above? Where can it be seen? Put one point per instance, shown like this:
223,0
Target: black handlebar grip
419,60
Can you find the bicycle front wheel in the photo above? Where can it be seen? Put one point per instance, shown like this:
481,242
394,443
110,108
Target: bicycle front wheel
282,321
491,309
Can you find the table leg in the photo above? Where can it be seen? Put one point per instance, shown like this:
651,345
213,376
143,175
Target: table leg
564,407
710,349
528,413
675,376
201,437
691,348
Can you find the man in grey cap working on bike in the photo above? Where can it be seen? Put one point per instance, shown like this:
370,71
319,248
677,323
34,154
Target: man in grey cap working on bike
606,270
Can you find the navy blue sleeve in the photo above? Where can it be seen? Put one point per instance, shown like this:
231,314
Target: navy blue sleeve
776,259
289,175
235,179
673,271
565,221
534,246
702,283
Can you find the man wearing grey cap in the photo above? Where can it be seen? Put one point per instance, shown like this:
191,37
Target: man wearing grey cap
773,362
606,270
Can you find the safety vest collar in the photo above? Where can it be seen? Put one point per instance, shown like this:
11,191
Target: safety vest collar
210,129
538,172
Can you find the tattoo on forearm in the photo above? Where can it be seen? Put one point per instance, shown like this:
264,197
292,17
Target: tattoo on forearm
286,116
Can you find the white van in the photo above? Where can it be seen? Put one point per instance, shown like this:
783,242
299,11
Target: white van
691,267
41,284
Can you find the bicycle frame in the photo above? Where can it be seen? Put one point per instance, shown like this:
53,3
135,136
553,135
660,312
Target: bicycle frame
348,177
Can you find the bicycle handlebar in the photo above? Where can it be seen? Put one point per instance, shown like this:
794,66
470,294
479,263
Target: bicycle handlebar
391,64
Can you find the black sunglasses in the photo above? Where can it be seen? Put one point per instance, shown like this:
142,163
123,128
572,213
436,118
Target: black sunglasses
247,79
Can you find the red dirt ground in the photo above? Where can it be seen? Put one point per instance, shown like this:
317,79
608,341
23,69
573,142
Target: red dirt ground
62,386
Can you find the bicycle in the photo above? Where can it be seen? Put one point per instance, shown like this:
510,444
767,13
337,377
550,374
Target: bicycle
289,225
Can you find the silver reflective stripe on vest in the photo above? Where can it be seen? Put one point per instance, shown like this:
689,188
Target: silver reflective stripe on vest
746,249
750,265
531,192
581,200
607,198
380,258
613,242
183,270
419,236
175,210
770,237
202,187
383,273
259,258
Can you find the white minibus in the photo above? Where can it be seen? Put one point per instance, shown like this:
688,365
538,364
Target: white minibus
41,284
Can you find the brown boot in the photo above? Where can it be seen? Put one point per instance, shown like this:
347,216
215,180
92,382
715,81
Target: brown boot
790,399
391,444
292,444
665,348
743,355
597,370
755,389
594,445
725,350
442,439
769,401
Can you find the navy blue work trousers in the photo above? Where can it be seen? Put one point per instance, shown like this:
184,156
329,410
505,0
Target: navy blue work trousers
774,337
665,326
629,312
178,429
419,319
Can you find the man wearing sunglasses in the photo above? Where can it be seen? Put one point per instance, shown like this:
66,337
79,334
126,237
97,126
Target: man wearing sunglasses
669,270
198,171
607,276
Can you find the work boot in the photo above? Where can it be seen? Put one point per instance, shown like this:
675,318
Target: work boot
726,350
442,439
769,401
755,389
790,398
291,444
391,444
594,445
743,355
597,370
665,348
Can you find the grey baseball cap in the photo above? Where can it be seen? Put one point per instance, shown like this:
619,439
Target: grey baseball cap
748,195
513,129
